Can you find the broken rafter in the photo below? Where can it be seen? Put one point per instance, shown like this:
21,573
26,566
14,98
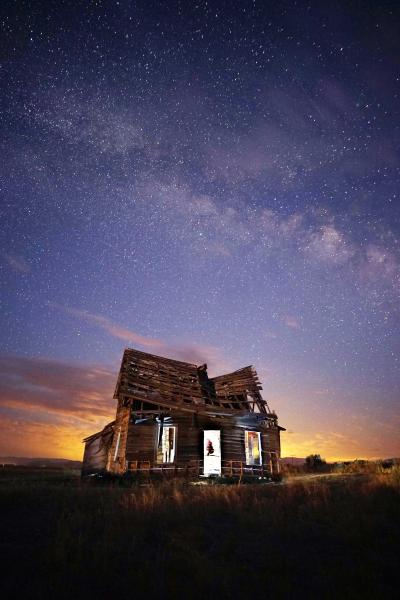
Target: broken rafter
172,384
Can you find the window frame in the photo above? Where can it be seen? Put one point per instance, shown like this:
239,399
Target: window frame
160,438
247,448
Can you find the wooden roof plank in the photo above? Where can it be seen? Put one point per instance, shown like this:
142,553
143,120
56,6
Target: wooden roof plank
146,376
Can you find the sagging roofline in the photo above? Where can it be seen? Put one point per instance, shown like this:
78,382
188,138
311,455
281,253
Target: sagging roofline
172,383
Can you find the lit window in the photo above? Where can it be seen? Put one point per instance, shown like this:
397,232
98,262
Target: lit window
252,440
166,444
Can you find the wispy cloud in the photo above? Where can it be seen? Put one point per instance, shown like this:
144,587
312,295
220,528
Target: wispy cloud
211,228
56,388
24,434
57,398
291,321
117,331
186,351
48,406
198,354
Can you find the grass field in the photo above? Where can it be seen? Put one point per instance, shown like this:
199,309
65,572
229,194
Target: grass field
330,537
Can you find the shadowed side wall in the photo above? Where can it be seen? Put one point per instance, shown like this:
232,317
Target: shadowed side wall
95,457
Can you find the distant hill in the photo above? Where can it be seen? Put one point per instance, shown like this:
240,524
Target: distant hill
23,461
292,460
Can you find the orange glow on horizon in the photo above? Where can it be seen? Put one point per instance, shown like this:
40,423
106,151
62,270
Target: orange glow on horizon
336,447
64,440
43,440
78,402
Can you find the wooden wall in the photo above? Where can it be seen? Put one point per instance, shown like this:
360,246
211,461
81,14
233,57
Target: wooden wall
95,456
141,441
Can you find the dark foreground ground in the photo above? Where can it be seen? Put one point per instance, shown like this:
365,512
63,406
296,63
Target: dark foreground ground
334,537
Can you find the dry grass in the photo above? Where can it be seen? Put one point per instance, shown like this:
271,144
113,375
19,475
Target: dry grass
328,537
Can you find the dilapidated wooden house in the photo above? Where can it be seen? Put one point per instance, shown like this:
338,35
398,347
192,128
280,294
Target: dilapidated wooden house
174,419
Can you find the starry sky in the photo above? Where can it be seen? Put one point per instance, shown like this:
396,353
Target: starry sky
211,181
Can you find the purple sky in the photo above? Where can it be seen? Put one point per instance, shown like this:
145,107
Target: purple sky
215,182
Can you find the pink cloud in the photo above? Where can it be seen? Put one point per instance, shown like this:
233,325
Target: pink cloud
56,388
48,406
291,321
199,354
122,333
186,351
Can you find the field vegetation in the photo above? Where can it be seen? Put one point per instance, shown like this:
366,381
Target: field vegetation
333,536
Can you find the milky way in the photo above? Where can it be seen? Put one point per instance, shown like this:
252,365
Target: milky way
208,181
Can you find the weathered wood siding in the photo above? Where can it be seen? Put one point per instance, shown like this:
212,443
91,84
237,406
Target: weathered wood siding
153,389
188,439
141,441
95,457
232,444
271,451
274,440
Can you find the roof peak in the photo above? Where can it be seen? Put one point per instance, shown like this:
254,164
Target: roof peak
163,358
163,381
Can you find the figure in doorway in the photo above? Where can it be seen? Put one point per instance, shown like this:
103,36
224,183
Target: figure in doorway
210,448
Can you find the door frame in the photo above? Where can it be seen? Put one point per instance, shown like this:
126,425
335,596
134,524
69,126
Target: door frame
214,466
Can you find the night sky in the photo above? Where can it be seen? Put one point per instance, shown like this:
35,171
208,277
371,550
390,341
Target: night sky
211,181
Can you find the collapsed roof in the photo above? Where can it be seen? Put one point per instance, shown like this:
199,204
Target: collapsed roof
155,380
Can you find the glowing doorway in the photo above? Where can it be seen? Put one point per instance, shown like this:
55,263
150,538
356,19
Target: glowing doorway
212,452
